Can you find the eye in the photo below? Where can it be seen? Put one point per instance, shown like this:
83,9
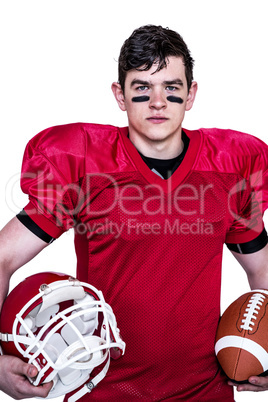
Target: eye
142,88
170,88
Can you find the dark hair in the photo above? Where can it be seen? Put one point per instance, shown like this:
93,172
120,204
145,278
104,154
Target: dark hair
151,44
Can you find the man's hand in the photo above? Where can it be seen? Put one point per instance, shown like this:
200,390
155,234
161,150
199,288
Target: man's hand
14,381
256,384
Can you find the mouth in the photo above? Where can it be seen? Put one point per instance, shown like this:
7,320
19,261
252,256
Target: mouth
157,119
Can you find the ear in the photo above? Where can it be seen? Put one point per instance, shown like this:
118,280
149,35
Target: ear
119,95
191,96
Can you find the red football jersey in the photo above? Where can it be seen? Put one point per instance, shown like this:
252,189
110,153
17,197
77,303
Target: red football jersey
153,246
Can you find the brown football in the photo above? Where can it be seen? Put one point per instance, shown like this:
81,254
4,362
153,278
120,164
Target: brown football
242,337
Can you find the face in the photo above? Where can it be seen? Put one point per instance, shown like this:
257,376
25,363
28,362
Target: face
155,104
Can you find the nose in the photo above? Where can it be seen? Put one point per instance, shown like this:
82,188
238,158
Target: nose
158,100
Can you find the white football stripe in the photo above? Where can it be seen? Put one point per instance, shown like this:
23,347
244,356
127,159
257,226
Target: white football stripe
243,343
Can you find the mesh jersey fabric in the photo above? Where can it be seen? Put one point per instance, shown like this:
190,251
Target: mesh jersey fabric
153,246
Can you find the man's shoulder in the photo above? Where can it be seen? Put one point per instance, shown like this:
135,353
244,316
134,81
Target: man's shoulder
231,151
77,148
72,137
233,141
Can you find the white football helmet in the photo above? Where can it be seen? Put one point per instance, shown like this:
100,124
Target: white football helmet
62,326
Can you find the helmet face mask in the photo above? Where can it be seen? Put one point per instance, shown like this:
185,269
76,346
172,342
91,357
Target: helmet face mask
65,329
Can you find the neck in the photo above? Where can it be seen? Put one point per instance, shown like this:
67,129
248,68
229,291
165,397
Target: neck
157,148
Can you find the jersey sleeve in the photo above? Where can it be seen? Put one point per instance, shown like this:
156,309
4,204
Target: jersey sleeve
251,194
51,168
33,227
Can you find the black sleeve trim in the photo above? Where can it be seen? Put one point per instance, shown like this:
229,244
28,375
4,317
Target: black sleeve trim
251,246
33,227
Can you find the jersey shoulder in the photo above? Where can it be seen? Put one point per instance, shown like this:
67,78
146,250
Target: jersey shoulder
78,148
232,151
72,138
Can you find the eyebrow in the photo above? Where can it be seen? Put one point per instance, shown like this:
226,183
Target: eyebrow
139,82
177,81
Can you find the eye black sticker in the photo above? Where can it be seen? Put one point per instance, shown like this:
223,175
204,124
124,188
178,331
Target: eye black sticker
175,99
145,98
142,98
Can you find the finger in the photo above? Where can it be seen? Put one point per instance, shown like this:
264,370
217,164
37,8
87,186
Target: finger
22,368
30,370
26,390
255,384
233,384
43,390
259,381
24,387
242,387
248,387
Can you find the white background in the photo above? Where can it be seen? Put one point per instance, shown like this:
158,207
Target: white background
59,58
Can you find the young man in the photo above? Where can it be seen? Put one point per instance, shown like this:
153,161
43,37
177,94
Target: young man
152,205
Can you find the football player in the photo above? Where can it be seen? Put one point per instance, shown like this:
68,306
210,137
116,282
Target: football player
152,206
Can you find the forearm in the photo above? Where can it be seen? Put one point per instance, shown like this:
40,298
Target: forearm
259,279
4,283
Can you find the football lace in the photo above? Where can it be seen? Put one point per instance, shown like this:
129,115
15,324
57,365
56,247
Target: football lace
252,311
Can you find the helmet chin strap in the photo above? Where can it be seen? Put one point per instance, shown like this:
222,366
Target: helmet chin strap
88,387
